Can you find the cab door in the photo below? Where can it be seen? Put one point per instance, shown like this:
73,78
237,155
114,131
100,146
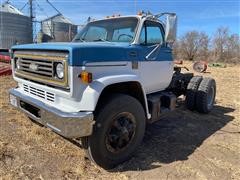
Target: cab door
155,72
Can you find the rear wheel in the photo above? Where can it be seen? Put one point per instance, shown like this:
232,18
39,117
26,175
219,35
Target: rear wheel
118,131
206,95
191,94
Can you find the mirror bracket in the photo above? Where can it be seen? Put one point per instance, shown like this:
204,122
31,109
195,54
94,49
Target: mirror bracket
152,55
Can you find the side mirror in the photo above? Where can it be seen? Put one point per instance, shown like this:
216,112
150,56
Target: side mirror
171,28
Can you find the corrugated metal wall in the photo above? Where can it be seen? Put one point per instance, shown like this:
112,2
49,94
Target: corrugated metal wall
14,29
59,31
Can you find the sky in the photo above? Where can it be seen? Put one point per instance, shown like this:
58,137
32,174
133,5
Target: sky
200,15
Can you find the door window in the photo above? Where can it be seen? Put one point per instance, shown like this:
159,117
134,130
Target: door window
151,33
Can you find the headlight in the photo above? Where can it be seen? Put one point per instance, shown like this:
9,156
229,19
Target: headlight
60,70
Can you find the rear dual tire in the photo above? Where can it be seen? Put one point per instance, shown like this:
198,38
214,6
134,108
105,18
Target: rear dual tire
191,94
206,95
201,94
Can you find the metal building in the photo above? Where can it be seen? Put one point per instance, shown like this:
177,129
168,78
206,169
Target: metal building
15,28
58,29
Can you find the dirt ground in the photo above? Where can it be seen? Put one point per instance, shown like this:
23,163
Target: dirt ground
183,145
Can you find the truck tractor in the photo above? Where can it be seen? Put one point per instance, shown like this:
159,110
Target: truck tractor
102,88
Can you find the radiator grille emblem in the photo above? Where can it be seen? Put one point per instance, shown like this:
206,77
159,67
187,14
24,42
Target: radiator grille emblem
33,66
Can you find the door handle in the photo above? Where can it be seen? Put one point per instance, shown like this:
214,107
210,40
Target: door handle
133,54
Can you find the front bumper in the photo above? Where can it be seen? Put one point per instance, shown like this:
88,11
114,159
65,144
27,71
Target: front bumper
69,125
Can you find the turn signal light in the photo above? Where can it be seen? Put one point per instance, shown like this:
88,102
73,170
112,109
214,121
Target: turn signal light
86,77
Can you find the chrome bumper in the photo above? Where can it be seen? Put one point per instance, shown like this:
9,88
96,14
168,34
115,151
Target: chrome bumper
69,125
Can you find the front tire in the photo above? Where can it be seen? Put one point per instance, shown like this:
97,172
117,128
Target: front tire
119,129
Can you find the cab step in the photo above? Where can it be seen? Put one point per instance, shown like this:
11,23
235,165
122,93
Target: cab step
159,103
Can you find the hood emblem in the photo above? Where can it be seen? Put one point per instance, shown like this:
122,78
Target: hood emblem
33,66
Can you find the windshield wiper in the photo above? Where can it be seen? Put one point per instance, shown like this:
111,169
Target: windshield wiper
100,39
80,39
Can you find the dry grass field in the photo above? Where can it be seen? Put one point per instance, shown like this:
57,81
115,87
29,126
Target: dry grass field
183,145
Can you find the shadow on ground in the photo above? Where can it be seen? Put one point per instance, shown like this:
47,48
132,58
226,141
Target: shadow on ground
175,137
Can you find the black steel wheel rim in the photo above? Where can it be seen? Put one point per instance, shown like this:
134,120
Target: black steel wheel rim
121,132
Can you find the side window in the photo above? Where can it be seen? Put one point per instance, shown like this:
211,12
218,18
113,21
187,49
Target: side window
95,33
151,34
154,35
143,37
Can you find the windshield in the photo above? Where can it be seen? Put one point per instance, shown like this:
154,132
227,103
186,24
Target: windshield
110,30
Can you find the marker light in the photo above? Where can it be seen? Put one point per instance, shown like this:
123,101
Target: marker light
140,13
86,77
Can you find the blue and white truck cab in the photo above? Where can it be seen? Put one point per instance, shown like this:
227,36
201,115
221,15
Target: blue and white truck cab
103,87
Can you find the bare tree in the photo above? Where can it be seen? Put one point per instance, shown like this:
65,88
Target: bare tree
196,45
220,40
176,50
233,46
203,49
193,45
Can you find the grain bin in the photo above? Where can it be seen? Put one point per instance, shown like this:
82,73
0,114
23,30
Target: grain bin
58,28
15,28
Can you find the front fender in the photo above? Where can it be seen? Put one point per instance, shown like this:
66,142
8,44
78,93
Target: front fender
93,91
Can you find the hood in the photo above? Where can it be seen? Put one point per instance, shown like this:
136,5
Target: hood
83,52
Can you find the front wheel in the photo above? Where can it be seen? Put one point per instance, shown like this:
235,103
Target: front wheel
119,129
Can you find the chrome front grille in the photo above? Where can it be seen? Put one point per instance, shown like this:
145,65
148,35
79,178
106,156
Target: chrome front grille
39,93
39,66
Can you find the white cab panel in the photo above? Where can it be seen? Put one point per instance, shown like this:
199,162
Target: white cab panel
155,75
